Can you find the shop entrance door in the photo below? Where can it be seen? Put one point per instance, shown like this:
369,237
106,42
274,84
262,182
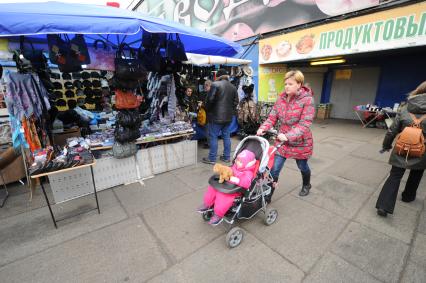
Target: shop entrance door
360,89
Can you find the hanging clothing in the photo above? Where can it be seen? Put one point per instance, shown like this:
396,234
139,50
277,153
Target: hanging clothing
30,133
25,95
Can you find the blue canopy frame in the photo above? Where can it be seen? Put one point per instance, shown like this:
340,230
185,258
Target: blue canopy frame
35,20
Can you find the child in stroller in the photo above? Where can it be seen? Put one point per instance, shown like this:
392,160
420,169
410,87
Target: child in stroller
245,195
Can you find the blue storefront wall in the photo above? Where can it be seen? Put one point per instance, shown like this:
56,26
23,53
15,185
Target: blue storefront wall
251,52
399,76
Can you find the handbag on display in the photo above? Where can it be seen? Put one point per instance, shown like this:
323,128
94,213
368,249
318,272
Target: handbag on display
101,57
126,100
78,48
153,40
126,134
128,67
124,150
68,54
36,57
129,118
175,49
152,59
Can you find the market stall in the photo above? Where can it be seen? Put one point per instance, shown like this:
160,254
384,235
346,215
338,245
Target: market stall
107,107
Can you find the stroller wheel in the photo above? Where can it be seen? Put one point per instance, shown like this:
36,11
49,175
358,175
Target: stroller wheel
207,215
271,215
234,237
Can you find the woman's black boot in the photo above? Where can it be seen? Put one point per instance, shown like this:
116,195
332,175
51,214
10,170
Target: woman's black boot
306,177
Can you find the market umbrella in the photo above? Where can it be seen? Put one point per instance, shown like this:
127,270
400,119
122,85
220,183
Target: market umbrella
115,25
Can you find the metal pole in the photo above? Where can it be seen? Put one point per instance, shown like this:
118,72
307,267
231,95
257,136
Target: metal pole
48,204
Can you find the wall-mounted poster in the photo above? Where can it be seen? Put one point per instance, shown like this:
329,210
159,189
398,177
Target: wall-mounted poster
271,82
239,19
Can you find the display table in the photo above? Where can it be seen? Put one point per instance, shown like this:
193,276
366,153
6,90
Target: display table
162,139
67,198
375,115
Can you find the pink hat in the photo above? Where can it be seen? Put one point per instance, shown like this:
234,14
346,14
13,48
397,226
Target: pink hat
247,158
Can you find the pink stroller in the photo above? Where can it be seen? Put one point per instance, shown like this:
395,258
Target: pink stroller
254,199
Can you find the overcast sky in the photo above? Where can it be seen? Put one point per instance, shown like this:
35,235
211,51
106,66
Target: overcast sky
123,3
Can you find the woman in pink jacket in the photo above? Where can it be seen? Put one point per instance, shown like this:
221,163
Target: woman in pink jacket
295,110
243,173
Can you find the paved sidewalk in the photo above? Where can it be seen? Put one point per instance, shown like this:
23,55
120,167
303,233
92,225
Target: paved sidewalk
151,233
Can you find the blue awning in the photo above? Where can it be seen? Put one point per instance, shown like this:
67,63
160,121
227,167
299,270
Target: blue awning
38,19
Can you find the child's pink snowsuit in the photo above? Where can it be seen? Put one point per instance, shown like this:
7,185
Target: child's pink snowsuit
222,202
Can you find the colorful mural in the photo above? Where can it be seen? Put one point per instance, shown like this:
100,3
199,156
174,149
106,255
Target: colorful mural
239,19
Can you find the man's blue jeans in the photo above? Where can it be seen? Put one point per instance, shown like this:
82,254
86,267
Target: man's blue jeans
279,161
215,131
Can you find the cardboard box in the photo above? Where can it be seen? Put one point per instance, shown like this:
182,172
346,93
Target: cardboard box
61,138
321,113
14,172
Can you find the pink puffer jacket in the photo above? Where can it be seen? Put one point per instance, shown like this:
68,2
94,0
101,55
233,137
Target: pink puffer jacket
296,117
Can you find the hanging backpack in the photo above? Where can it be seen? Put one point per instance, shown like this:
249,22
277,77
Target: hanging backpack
411,142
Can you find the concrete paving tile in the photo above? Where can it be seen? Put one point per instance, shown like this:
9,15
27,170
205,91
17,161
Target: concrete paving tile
371,251
32,232
19,203
179,226
335,147
422,223
371,151
399,225
252,261
289,180
302,232
418,252
414,273
196,176
135,198
417,204
339,195
363,171
332,268
121,252
316,163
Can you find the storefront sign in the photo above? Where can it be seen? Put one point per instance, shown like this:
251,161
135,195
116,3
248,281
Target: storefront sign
271,82
395,28
239,19
345,74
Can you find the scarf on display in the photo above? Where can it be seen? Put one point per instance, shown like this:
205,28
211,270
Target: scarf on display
27,102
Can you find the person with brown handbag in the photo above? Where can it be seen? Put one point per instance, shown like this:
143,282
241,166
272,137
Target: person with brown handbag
409,129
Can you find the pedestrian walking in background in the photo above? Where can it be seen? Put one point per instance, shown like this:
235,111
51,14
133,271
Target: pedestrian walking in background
221,105
295,110
415,109
207,86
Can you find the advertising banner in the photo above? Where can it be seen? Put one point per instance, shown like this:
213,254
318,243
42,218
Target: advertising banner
390,29
271,82
240,19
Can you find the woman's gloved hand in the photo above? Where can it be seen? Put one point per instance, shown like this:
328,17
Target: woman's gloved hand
260,132
282,137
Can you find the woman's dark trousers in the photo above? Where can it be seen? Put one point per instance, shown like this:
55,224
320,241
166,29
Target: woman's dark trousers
389,193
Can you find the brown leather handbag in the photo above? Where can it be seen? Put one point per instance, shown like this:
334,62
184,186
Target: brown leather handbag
411,142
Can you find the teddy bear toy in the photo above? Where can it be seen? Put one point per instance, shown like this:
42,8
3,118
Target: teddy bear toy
225,172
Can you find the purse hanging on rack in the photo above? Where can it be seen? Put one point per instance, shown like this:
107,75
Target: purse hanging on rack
175,49
128,67
36,57
60,53
101,57
126,100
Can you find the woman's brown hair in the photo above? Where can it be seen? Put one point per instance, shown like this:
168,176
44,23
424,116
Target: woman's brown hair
419,90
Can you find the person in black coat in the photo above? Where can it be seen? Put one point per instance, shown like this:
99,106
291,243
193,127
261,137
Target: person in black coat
221,106
416,105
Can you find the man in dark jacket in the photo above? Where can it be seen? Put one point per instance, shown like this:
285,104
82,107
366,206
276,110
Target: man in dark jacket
221,104
416,107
